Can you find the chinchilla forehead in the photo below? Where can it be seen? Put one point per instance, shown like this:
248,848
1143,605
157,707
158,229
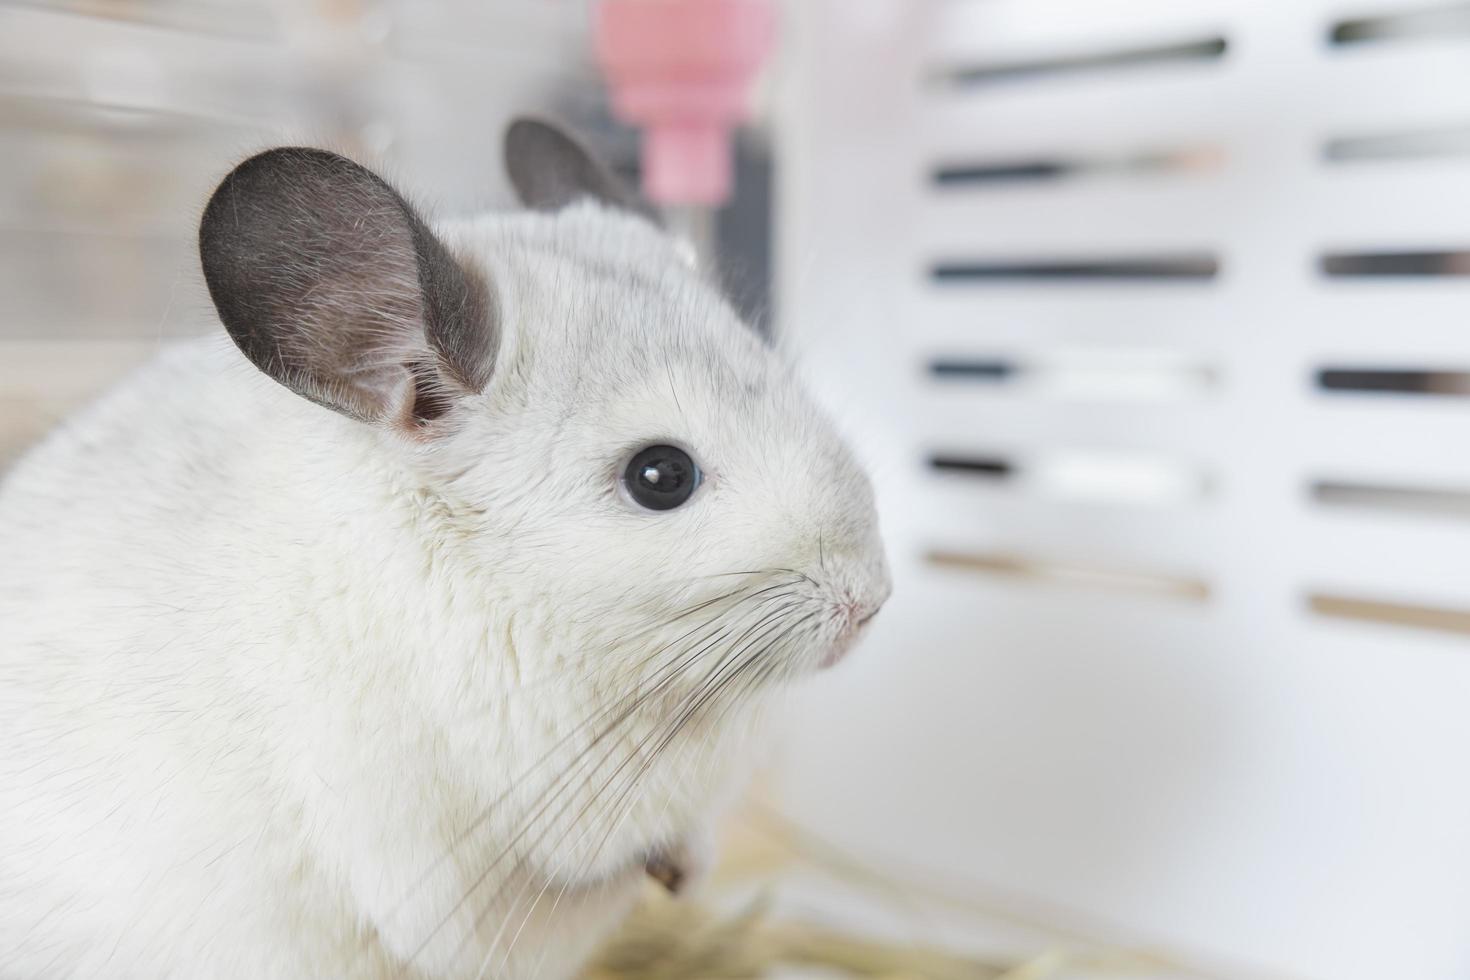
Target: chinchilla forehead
597,303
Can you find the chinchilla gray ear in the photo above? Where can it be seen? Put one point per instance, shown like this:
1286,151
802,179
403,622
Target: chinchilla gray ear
550,169
331,284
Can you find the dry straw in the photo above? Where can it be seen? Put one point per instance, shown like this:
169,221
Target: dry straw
682,939
669,939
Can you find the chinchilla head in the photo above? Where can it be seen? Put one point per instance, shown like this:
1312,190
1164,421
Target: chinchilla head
592,439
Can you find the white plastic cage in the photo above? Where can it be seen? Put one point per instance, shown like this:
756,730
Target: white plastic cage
1155,321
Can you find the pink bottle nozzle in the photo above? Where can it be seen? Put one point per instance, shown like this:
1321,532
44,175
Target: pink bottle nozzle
686,163
680,69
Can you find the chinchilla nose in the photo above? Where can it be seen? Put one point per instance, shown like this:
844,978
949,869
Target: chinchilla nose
856,569
882,589
860,609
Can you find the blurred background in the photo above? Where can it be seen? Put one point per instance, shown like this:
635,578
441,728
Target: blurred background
1152,320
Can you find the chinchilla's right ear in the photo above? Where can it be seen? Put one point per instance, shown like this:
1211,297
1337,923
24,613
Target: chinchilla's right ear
550,169
331,284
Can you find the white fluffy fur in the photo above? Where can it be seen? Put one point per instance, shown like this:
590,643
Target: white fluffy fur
278,689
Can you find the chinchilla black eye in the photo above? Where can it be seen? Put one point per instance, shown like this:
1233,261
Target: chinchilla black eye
661,477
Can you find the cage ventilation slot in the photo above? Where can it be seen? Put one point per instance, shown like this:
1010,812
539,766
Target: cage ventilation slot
1395,381
1097,375
1422,501
1038,570
1415,265
1188,267
958,369
989,468
977,174
1390,613
1423,144
1413,25
1194,51
1110,477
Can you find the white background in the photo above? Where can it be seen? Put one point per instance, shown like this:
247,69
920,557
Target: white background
1237,774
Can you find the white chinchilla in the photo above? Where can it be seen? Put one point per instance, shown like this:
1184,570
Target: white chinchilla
402,645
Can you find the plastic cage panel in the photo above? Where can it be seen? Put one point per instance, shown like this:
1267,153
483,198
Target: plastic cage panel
1167,310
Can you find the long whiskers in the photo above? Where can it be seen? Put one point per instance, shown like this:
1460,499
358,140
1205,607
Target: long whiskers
485,814
622,803
692,646
549,796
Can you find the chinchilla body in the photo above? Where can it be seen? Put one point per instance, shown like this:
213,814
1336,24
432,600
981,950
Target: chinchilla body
397,637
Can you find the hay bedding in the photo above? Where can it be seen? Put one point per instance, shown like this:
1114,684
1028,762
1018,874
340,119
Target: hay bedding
690,939
669,939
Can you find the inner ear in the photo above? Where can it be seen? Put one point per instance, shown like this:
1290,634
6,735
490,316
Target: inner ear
550,169
334,286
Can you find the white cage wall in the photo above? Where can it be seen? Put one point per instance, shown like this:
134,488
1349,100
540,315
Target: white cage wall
1156,319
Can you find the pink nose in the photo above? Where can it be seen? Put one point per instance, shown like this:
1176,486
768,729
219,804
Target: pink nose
860,613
